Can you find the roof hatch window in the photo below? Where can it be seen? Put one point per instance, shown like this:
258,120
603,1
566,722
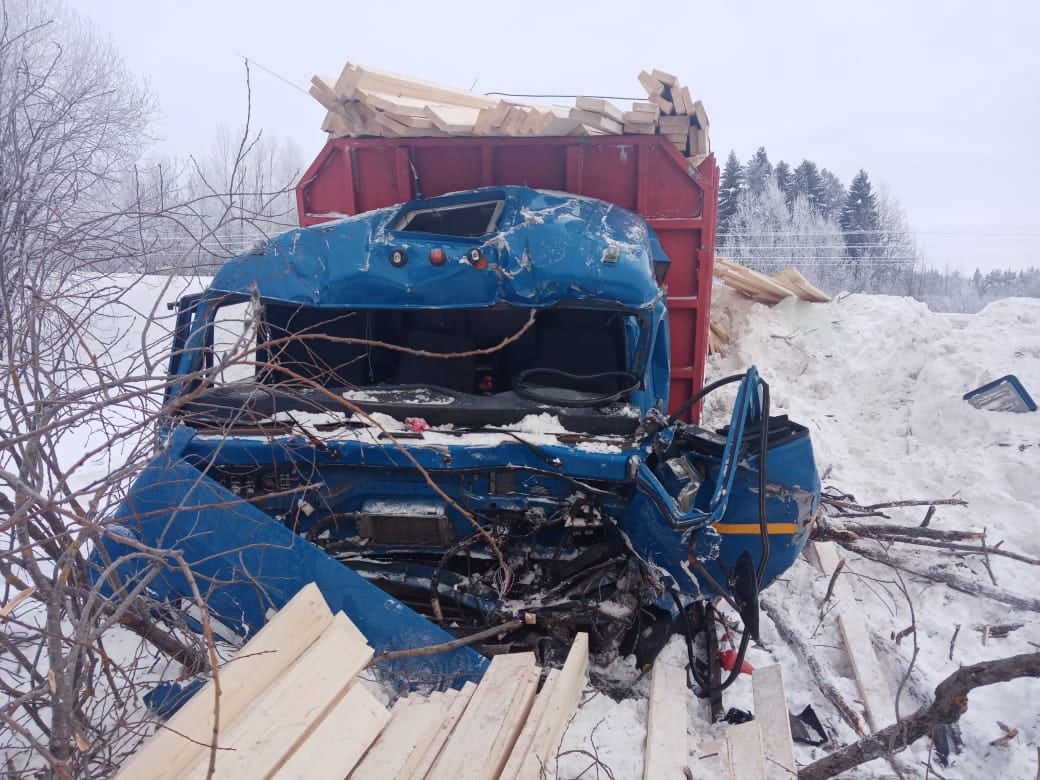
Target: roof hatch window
464,219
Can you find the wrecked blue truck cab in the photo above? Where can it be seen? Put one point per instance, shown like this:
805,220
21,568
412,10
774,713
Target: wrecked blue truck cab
463,400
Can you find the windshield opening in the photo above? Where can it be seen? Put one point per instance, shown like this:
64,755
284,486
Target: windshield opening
584,350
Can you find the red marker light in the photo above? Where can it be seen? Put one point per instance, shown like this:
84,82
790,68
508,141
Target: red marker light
438,257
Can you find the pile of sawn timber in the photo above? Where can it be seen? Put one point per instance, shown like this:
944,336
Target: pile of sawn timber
364,101
291,706
759,287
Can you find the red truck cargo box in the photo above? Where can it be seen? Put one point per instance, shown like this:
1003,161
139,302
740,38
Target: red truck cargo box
641,173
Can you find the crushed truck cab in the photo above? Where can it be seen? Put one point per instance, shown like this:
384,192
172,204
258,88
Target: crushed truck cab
466,393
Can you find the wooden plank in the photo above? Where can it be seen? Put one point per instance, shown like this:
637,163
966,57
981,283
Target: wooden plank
666,750
525,740
688,100
451,718
646,108
467,752
700,114
261,661
352,726
596,120
281,718
640,129
675,94
650,84
411,727
698,140
744,747
519,709
600,106
454,120
675,124
446,701
712,760
774,722
396,84
641,117
563,701
514,120
346,82
665,78
809,292
663,103
870,679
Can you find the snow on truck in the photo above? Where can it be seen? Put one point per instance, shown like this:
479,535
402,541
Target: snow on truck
469,397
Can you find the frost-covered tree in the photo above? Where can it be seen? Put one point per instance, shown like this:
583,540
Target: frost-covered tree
769,235
758,170
730,187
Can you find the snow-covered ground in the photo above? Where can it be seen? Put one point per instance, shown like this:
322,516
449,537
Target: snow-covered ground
879,382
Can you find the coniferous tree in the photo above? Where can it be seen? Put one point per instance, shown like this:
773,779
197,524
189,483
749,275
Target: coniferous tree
757,171
808,183
833,195
730,187
784,180
859,217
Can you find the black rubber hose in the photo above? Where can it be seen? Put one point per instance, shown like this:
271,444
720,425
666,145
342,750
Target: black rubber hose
763,522
701,393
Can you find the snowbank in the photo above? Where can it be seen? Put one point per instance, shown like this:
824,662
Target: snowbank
879,380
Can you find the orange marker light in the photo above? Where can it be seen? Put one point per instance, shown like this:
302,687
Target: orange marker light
438,257
476,259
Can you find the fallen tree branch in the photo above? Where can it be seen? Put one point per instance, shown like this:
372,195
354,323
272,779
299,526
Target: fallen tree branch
444,647
822,672
957,582
951,701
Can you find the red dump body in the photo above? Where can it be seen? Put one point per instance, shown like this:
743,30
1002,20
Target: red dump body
641,173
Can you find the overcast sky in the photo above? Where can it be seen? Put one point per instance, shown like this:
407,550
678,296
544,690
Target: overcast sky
938,101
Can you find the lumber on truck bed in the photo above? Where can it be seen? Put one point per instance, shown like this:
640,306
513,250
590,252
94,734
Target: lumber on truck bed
364,101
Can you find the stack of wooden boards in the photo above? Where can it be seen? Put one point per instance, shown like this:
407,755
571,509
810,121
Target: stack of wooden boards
759,287
768,289
291,706
759,749
364,101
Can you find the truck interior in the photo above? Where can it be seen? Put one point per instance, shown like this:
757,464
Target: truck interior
506,362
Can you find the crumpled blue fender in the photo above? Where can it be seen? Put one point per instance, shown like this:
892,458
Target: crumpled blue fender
245,563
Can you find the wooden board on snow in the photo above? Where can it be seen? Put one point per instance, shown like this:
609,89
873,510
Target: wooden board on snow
553,716
774,722
352,726
666,750
870,679
422,764
284,715
745,760
261,661
413,724
468,751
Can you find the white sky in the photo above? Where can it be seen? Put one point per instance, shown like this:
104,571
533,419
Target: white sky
940,101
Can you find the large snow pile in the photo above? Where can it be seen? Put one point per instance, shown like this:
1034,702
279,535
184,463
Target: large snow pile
879,382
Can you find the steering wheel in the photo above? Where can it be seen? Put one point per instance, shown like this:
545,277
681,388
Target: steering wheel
560,396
